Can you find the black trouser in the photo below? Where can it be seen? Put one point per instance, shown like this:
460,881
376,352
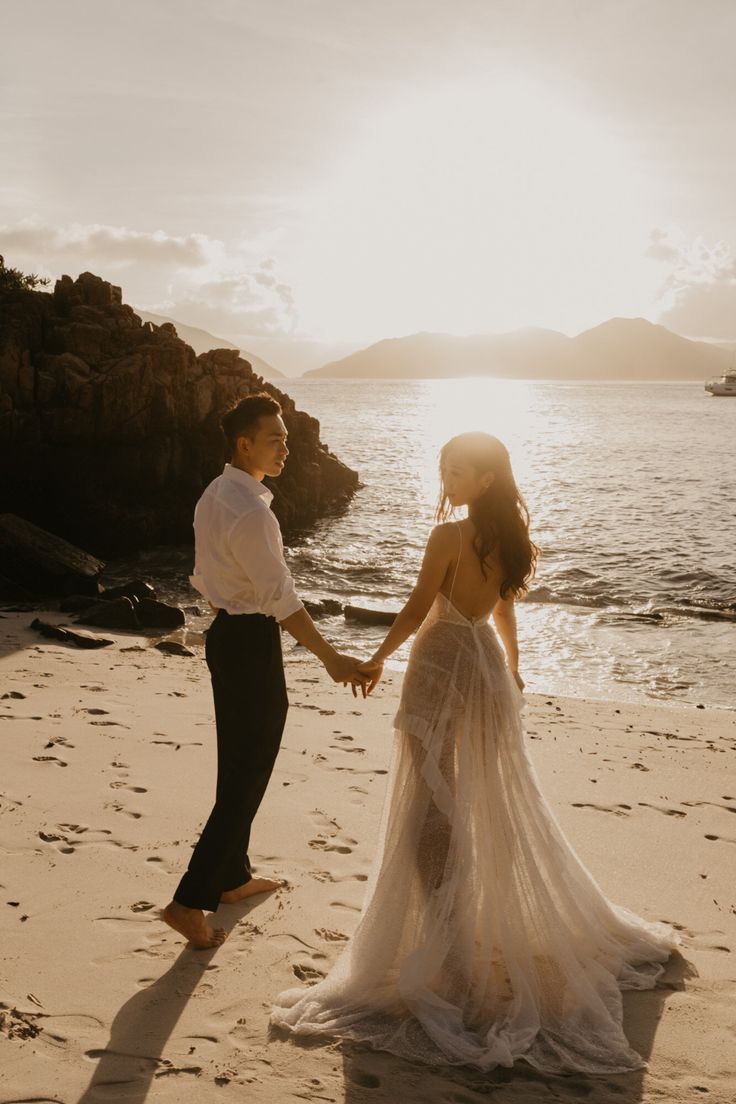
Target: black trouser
243,653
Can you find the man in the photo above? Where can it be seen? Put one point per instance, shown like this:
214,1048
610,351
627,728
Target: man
240,570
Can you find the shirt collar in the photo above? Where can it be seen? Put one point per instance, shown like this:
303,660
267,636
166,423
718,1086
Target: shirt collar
253,485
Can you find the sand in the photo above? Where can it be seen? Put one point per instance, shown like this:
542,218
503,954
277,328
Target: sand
107,775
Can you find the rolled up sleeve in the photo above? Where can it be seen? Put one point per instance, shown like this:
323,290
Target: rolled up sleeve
255,542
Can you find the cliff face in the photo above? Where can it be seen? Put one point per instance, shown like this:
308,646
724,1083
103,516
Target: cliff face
109,427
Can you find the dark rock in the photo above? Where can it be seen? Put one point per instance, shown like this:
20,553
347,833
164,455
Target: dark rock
369,616
325,607
158,615
42,563
173,647
110,428
67,636
137,589
117,614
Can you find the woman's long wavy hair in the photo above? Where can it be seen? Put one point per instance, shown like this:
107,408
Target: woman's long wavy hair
500,515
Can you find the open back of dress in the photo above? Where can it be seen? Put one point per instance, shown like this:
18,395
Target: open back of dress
483,938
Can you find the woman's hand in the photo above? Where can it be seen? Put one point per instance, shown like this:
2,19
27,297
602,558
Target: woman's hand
518,679
373,669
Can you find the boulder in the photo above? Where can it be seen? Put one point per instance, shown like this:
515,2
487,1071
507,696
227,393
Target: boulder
44,564
120,613
173,647
136,590
110,428
159,615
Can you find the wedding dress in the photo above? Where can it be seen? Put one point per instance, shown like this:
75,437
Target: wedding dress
483,939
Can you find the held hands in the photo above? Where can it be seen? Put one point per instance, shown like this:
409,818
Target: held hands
373,669
345,669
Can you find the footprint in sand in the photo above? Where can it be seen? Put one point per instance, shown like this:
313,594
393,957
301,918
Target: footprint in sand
118,808
663,809
723,839
306,972
618,810
715,804
322,844
330,935
125,786
95,711
322,820
353,770
49,759
349,751
68,844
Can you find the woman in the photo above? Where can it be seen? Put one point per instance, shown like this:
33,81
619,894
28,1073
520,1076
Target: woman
483,938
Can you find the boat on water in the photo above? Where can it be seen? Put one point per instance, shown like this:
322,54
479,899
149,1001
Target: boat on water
726,385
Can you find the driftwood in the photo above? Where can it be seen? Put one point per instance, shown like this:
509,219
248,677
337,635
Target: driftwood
369,616
42,563
67,636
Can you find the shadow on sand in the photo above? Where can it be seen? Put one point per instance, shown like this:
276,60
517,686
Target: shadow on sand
132,1059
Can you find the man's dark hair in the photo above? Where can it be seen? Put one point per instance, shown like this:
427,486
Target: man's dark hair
242,419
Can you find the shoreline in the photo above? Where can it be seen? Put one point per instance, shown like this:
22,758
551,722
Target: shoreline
108,775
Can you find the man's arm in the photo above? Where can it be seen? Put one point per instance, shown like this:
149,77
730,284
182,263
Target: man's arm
341,668
256,543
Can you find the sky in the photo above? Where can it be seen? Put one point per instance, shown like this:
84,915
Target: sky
305,177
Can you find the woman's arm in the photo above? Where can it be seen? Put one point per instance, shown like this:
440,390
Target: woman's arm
504,618
438,556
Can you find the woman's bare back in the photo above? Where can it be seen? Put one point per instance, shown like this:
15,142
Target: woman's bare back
464,586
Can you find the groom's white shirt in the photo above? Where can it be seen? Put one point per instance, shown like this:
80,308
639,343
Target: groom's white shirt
239,561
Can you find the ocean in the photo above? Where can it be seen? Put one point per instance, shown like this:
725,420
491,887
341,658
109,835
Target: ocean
632,493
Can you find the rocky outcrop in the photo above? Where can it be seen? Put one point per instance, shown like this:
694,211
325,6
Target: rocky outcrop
109,427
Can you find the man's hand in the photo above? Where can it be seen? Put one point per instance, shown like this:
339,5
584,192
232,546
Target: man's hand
373,669
518,679
344,669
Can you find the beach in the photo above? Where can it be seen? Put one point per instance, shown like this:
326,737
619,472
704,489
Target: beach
108,775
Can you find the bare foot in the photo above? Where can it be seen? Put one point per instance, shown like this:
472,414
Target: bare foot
255,885
192,925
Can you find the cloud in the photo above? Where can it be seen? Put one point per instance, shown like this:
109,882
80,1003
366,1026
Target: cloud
229,288
698,296
251,302
106,245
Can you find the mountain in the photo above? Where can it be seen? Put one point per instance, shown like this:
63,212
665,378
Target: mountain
202,342
621,348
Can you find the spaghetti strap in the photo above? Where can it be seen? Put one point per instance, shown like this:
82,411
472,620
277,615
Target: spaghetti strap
457,562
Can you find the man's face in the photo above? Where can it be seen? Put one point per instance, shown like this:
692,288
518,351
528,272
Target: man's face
266,451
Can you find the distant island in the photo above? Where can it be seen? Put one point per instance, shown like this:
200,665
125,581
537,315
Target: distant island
621,348
203,342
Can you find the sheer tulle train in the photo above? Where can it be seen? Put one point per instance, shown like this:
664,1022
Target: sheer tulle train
483,938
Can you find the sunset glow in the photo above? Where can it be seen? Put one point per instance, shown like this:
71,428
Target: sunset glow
488,204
